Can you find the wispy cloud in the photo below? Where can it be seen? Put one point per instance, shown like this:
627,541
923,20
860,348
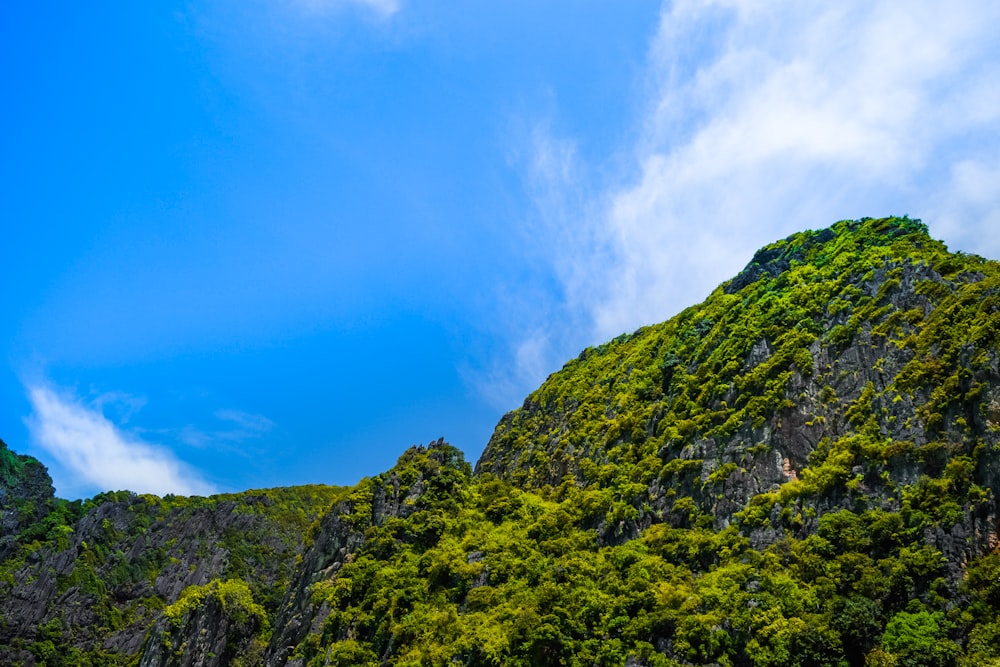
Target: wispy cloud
248,424
384,8
795,118
548,314
99,454
236,428
765,118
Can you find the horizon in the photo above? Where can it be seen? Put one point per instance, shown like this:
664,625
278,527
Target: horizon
267,244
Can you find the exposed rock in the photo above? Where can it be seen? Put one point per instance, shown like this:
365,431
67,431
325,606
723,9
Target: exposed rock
396,494
208,626
26,496
846,382
108,577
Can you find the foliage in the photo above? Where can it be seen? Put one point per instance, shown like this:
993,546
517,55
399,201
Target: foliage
232,595
119,551
534,586
799,471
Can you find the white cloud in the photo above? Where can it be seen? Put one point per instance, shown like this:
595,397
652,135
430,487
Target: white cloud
384,8
788,117
248,424
100,455
764,118
968,211
797,120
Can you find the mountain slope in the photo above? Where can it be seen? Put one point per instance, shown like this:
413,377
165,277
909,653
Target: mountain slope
86,586
26,499
853,361
802,470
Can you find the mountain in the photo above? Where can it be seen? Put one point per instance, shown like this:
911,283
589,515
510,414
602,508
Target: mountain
26,497
801,470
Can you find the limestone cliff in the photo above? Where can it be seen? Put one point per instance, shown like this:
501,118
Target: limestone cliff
804,469
852,362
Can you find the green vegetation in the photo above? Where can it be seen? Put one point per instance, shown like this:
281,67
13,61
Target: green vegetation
124,553
233,596
721,371
219,620
802,470
490,574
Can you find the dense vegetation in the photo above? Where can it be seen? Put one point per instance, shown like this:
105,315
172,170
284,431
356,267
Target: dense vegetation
91,578
802,470
483,573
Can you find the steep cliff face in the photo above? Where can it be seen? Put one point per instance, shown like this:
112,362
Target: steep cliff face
802,470
211,625
841,369
26,497
408,502
91,588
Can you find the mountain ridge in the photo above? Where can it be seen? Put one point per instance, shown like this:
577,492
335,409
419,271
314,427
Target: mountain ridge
734,393
802,469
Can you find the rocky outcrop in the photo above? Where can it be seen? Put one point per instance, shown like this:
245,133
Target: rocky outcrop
26,496
856,340
208,626
103,581
423,475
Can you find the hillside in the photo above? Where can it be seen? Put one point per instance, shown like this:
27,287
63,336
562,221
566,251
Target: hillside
801,470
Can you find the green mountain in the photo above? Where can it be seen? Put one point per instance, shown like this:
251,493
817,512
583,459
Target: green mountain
803,469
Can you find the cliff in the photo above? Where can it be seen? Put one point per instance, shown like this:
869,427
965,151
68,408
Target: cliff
89,590
841,366
26,498
801,470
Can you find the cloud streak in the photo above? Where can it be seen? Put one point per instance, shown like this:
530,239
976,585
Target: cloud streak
239,427
98,454
761,119
797,119
385,8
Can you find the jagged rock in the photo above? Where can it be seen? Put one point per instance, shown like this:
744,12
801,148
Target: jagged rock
208,626
107,577
396,494
26,496
841,394
859,347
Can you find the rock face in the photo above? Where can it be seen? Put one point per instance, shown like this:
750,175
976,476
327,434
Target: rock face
26,496
423,478
211,625
803,469
865,352
99,583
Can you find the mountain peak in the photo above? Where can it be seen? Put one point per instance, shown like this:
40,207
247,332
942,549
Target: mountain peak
802,469
826,336
820,246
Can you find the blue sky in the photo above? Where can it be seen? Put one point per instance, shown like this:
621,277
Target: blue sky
274,242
